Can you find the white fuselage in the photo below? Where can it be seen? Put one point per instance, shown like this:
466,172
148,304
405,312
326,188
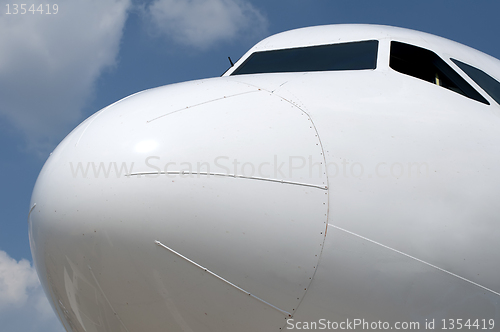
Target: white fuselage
268,201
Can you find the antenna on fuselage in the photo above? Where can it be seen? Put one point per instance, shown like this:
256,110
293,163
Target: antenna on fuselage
230,61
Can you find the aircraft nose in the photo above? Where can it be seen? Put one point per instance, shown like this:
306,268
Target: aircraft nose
197,206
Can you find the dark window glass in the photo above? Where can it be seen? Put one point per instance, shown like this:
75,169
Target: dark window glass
485,81
346,56
428,66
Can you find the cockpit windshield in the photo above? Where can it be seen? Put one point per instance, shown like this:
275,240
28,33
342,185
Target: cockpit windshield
345,56
485,81
428,66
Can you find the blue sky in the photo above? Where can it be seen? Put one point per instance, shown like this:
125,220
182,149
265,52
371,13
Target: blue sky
56,70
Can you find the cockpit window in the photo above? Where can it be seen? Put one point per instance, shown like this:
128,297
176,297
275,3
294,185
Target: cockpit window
428,66
485,81
345,56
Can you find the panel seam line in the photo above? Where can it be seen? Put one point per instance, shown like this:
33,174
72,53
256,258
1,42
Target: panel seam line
199,104
418,260
220,278
208,174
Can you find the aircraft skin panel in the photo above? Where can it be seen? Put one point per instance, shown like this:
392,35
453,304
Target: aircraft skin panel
130,196
285,270
264,137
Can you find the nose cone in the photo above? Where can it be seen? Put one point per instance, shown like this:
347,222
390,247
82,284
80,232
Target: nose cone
193,207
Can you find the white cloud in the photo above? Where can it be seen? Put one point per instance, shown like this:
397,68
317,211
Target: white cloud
23,305
49,63
200,23
16,278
